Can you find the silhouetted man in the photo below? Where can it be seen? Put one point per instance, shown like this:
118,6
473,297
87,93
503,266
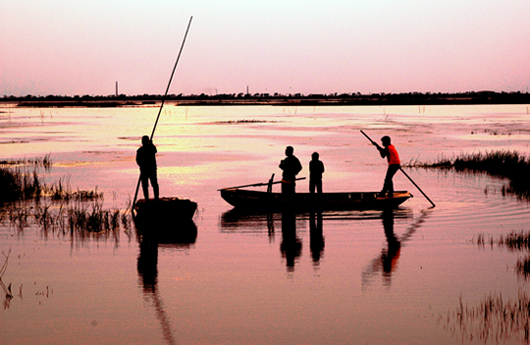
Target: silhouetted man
316,169
389,151
146,160
291,167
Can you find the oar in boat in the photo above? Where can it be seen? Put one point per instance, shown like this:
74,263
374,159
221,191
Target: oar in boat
163,100
260,184
410,179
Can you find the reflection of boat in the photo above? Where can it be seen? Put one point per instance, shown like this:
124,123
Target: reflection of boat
250,199
177,233
165,210
246,220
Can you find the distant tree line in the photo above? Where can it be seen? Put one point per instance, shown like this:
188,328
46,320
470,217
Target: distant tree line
356,98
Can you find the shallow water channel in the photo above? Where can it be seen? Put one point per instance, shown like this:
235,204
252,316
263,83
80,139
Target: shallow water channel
415,275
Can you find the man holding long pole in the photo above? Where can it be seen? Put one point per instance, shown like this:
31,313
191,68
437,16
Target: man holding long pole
146,160
394,164
155,191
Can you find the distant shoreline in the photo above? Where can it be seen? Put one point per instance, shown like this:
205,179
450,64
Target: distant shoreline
483,97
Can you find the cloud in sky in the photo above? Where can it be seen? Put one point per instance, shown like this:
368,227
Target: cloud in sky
84,47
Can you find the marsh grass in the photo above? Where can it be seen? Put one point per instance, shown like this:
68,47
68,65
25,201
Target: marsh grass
493,319
66,218
44,162
55,207
8,295
237,122
93,218
506,164
515,241
62,191
19,184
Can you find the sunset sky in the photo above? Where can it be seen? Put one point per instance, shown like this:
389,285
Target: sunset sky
83,47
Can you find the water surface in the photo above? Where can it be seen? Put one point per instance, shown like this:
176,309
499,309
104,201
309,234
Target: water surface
341,277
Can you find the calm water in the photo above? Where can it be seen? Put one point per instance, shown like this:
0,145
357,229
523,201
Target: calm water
345,278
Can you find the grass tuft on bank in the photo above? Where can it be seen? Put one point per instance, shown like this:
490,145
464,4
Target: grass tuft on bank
507,164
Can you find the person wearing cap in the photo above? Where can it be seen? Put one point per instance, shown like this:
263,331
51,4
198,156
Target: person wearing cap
394,164
146,160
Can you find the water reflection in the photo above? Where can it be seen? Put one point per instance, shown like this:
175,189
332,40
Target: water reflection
316,237
291,246
387,262
243,221
150,238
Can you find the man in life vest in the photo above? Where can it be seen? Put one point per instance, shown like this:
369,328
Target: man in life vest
146,160
394,164
291,167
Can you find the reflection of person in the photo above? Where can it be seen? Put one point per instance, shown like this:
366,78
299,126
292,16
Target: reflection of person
316,169
146,160
291,167
291,246
389,151
390,257
316,237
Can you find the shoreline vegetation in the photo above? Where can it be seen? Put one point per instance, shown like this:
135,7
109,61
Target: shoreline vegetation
496,318
505,164
333,99
55,206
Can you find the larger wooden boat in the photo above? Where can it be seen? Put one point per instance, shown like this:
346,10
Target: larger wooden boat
165,210
260,200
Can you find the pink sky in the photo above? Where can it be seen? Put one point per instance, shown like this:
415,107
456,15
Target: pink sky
84,47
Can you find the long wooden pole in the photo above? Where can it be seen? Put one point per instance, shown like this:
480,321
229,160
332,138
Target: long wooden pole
171,77
410,179
259,184
164,99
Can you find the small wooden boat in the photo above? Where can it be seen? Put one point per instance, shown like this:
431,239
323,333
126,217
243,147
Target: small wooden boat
165,210
175,234
260,200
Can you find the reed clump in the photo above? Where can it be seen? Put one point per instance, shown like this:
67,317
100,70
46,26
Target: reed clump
494,319
61,191
94,219
508,164
68,210
44,162
70,218
8,295
515,241
236,122
17,184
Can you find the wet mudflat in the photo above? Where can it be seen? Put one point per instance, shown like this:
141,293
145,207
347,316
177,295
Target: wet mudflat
412,275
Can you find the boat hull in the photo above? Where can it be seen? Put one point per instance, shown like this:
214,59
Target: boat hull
259,200
165,210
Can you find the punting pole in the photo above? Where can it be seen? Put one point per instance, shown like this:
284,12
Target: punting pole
164,99
414,183
260,184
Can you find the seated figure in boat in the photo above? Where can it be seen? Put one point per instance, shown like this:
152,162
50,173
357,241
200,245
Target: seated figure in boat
291,167
146,160
316,169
